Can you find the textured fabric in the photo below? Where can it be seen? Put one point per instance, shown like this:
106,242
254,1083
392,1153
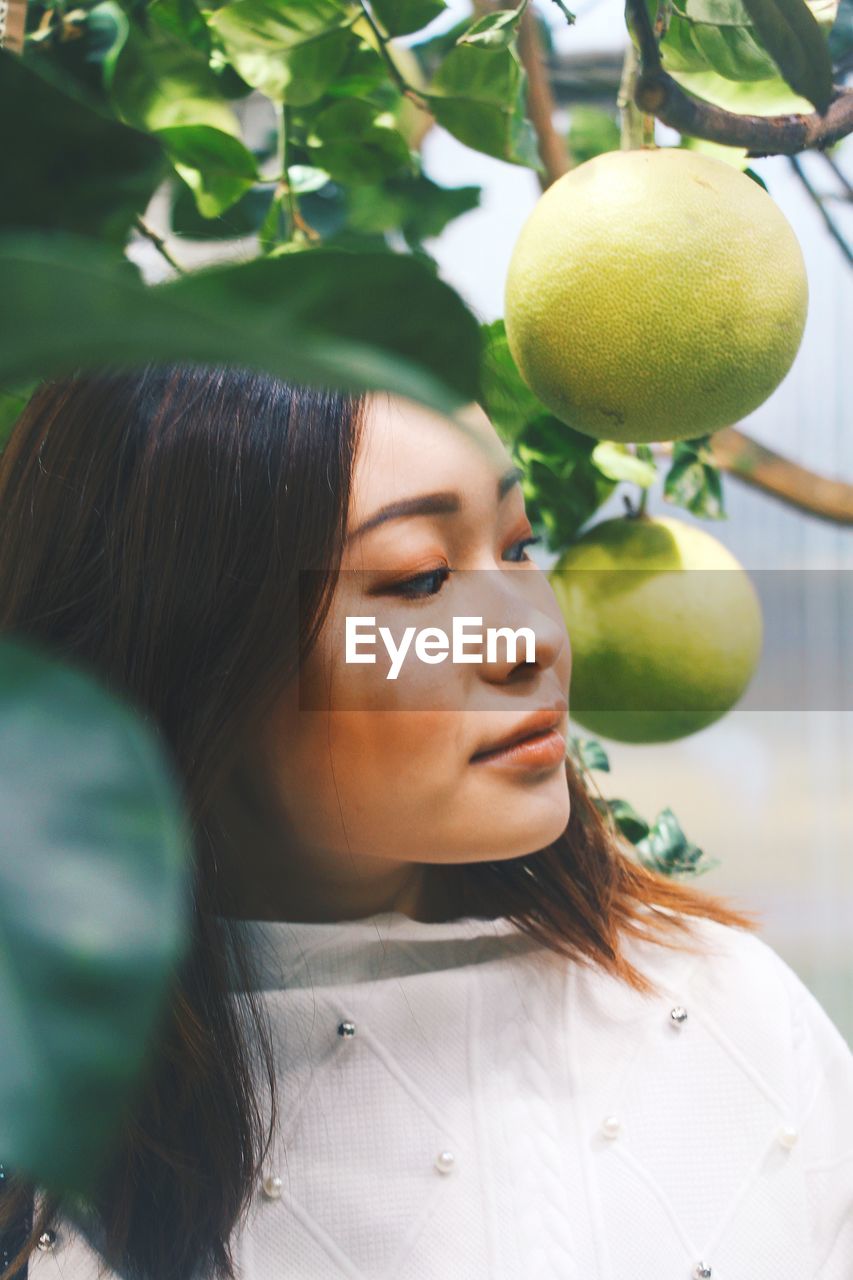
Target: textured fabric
593,1137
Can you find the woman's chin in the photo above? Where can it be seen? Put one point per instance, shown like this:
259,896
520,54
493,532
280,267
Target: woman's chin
529,822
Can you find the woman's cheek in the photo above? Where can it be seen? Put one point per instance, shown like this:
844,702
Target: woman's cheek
394,742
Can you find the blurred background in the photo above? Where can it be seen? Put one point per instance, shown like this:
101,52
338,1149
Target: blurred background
767,792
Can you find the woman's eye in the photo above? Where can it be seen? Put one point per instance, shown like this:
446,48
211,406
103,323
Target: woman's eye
423,584
522,543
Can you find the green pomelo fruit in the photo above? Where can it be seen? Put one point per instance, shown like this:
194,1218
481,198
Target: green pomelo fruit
656,294
665,627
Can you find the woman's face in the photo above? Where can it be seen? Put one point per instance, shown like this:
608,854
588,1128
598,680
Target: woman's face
376,773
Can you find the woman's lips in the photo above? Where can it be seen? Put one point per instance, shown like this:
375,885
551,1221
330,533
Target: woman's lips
537,722
538,751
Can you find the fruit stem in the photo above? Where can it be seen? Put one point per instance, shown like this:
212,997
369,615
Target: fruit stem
631,133
382,41
633,512
159,243
285,189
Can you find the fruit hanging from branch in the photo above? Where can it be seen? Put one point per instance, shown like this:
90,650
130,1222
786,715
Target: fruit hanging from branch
665,625
655,294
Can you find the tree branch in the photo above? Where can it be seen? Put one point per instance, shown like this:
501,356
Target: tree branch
158,242
630,115
658,93
769,471
408,90
761,135
553,151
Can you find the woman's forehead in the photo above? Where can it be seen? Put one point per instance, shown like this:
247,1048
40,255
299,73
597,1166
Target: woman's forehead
402,437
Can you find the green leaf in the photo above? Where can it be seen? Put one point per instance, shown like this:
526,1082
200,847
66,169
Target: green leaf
431,51
433,206
730,47
160,82
840,39
70,167
363,72
679,51
349,118
590,753
693,481
797,45
562,486
291,53
479,92
12,401
355,142
618,462
666,849
500,132
401,17
591,133
273,230
504,395
107,28
354,241
756,177
629,822
411,203
216,167
722,36
94,903
183,20
495,31
242,219
761,97
327,317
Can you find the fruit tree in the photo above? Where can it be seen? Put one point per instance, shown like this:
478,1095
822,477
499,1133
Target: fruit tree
655,296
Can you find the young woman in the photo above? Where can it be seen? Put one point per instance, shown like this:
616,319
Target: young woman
436,1020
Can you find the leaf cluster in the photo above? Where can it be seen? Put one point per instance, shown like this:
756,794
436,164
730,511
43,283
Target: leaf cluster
758,56
660,845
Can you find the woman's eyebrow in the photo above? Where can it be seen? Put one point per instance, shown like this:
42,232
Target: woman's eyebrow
428,504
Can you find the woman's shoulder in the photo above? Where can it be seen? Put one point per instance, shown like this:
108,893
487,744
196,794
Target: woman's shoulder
737,1059
752,996
743,982
743,990
741,1012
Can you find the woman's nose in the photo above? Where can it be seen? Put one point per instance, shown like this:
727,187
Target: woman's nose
514,606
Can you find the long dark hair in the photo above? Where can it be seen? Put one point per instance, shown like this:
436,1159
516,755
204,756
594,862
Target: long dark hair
153,525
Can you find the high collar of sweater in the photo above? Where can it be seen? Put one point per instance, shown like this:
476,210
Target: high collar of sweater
387,944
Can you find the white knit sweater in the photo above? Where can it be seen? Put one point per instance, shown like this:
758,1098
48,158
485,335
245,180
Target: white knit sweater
499,1113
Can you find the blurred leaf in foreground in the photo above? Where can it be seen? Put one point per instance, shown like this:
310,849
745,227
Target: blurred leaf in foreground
94,878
